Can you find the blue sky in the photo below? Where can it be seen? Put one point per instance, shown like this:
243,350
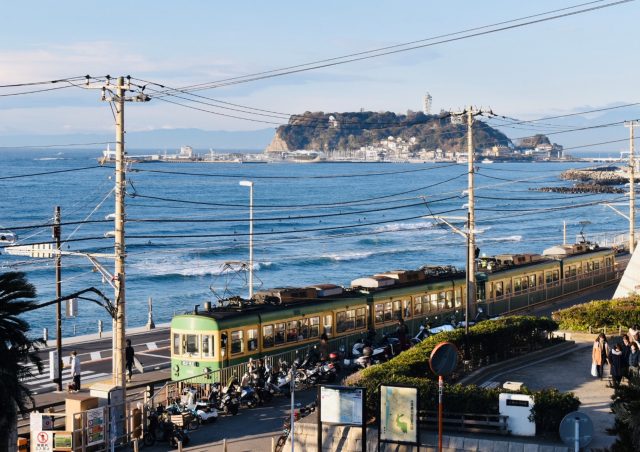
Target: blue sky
570,64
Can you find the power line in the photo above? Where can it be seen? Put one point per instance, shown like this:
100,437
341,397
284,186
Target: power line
39,146
46,173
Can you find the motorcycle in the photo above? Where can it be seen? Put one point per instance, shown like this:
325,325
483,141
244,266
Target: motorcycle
224,399
205,412
323,373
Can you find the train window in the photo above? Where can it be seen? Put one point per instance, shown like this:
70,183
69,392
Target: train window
516,285
351,319
397,311
417,306
314,329
442,298
608,262
525,283
191,341
458,297
433,302
406,308
304,329
237,343
361,318
379,313
596,266
449,297
328,325
507,287
252,339
548,278
499,290
532,281
292,331
387,311
589,266
267,336
556,275
207,346
279,336
341,318
176,344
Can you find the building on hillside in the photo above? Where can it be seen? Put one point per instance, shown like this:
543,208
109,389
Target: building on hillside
426,104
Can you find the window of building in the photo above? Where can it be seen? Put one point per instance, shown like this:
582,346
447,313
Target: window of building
237,343
267,336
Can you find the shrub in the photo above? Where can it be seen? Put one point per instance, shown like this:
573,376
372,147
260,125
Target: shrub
550,407
610,314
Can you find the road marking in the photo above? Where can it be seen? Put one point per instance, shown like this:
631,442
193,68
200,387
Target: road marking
152,346
95,356
154,355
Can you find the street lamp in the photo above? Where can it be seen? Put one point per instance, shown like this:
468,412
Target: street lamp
247,183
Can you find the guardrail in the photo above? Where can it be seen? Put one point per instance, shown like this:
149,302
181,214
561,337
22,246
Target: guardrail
476,423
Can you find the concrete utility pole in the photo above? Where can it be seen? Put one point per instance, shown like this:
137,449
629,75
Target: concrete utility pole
58,263
471,223
632,190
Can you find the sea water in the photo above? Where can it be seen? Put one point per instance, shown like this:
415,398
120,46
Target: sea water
187,224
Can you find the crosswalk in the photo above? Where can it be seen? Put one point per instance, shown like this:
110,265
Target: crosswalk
41,383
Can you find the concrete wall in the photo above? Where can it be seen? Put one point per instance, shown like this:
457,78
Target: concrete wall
349,439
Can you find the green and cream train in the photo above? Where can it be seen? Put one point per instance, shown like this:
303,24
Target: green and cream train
284,319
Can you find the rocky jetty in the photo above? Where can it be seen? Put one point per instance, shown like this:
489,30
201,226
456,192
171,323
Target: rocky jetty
580,189
607,175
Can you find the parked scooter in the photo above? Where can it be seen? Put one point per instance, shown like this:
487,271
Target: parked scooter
224,400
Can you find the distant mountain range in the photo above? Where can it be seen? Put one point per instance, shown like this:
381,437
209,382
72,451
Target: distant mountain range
156,140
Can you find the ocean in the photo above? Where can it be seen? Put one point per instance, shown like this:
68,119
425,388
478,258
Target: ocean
188,223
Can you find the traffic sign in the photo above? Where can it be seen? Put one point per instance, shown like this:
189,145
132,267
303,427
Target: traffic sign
576,430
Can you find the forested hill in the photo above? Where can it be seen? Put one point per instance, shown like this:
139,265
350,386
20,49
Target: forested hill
341,131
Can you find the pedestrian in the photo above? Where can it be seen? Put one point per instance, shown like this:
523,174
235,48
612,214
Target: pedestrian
626,349
402,333
128,355
324,347
615,360
634,359
600,354
75,370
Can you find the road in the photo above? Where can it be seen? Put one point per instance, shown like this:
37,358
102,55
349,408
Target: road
151,348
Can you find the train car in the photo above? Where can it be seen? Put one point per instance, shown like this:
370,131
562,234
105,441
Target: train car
285,319
216,338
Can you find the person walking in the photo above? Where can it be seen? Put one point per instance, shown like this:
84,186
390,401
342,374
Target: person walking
626,349
615,360
600,354
324,347
128,355
75,370
634,359
402,332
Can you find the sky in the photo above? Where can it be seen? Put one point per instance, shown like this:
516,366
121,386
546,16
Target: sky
570,64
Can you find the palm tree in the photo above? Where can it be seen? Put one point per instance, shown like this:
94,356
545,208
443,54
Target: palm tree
17,350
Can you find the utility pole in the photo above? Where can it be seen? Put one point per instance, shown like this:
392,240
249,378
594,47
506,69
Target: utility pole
632,190
117,97
471,224
58,264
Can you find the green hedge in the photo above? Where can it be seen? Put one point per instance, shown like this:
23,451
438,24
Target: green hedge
610,314
486,339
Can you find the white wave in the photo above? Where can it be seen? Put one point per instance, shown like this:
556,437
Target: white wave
401,227
348,256
509,238
193,267
51,158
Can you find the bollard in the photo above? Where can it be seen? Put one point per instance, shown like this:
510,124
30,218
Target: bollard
45,335
99,328
179,446
135,445
224,445
273,444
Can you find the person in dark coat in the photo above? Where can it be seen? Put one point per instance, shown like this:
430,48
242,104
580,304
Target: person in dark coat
128,355
615,360
324,347
626,349
402,332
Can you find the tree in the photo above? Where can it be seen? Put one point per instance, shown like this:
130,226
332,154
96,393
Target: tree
626,407
17,350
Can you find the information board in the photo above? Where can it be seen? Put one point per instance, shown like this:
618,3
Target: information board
62,441
399,414
341,405
95,426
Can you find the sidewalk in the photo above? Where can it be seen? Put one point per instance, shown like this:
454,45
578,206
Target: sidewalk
571,371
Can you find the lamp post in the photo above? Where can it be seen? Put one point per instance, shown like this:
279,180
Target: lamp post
246,183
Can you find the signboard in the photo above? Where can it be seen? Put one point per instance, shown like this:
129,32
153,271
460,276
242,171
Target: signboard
53,365
398,414
95,427
341,405
42,441
518,408
62,441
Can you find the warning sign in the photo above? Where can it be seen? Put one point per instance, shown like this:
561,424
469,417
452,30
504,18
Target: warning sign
42,441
